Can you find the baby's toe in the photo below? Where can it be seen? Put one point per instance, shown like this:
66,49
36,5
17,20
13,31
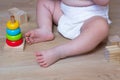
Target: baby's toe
39,58
38,54
28,34
43,64
31,40
40,61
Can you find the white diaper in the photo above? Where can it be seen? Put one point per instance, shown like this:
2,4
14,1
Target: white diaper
71,22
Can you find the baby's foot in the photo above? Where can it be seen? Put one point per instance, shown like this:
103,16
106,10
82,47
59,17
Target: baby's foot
47,58
38,35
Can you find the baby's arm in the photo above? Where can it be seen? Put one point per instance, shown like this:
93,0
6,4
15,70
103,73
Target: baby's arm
101,2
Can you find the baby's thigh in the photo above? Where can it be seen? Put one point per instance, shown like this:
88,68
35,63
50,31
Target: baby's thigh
50,7
57,12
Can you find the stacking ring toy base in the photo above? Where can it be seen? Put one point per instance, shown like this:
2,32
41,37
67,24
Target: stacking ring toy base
14,43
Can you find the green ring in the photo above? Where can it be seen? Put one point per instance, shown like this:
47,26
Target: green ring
14,38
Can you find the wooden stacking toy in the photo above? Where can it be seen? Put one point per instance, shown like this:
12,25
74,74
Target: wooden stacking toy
112,51
13,33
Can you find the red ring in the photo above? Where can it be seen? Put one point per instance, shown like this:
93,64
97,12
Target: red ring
14,43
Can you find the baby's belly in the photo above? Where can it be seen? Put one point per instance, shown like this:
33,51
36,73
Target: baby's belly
78,3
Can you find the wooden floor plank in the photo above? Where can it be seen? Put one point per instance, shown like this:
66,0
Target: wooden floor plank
23,66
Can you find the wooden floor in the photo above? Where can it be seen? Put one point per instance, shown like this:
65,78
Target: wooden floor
22,65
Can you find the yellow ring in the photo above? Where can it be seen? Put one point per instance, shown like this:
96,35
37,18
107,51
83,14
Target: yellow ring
12,26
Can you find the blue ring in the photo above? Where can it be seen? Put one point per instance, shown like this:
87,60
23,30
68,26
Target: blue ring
13,32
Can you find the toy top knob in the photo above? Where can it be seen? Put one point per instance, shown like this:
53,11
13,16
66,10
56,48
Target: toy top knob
12,19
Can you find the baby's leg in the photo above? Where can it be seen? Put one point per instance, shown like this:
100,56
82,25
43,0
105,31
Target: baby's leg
93,32
45,15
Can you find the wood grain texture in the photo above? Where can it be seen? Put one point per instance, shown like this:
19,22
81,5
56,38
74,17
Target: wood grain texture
23,66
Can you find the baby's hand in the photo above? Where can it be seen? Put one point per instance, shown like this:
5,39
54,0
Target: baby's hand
101,2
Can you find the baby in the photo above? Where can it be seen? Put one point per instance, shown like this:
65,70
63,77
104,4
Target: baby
85,22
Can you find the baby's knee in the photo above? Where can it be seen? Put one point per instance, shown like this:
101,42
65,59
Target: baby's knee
41,1
102,25
46,3
101,20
